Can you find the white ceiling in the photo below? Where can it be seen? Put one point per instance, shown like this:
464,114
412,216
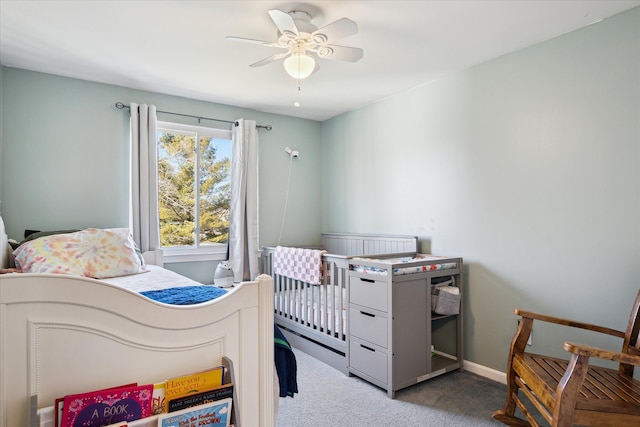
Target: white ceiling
179,47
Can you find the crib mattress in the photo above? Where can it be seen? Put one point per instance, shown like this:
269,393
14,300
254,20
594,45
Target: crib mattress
429,263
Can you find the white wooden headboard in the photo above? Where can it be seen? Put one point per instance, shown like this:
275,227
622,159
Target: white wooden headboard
5,249
155,257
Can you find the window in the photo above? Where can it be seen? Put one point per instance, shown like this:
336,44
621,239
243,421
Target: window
194,190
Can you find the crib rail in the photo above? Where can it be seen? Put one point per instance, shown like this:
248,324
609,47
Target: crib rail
316,310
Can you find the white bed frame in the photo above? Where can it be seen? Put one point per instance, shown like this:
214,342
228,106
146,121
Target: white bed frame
62,334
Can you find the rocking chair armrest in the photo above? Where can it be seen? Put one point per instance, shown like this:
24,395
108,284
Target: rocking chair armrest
589,351
572,323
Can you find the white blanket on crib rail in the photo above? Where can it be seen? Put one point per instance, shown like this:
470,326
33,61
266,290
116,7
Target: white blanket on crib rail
299,263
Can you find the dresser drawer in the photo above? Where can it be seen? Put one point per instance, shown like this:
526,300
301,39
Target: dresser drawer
368,326
368,360
368,292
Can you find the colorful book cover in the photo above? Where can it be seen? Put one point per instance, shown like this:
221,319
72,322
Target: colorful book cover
158,401
59,404
104,407
193,383
191,400
214,414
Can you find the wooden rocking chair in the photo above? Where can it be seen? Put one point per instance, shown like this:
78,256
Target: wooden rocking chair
568,392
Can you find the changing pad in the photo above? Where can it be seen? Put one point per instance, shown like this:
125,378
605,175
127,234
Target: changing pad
397,265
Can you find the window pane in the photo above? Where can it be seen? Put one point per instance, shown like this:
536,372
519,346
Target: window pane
176,187
215,189
194,187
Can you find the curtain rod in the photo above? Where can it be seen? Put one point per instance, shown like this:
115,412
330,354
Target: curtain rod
120,106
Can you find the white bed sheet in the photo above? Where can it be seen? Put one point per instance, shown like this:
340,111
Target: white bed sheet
155,279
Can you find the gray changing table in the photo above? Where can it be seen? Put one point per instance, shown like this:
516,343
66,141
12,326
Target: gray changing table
392,328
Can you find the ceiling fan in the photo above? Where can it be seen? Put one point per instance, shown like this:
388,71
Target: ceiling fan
303,42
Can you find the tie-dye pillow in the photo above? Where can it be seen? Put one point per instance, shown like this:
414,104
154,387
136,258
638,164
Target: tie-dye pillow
51,254
93,252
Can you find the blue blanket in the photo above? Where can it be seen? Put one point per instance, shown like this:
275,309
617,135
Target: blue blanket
185,295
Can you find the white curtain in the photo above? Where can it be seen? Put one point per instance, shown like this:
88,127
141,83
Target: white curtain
143,204
243,224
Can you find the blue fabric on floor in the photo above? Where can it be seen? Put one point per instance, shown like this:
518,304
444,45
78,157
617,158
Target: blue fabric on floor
185,295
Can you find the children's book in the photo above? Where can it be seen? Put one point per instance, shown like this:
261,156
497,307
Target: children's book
59,404
193,383
190,400
158,403
213,414
104,407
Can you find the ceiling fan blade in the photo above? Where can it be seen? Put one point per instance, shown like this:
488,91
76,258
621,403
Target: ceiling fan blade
270,59
284,22
340,53
253,41
335,31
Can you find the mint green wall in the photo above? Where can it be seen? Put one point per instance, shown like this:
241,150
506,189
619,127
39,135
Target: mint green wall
528,166
65,161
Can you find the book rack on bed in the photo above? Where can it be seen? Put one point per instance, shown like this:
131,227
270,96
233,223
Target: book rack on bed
63,334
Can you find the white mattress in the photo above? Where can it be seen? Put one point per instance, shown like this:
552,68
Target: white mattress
155,279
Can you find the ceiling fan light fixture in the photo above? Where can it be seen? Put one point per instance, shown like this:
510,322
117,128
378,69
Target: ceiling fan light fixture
299,65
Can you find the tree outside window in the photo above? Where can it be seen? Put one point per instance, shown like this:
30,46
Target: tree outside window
194,185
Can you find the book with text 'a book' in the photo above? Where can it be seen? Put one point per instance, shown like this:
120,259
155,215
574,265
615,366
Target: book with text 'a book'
104,407
58,407
213,414
190,400
193,383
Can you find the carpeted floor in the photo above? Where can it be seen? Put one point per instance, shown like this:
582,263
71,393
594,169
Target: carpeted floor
329,398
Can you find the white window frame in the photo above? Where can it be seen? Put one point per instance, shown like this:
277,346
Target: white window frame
176,254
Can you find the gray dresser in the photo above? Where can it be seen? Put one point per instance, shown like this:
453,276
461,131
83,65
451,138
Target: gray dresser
392,328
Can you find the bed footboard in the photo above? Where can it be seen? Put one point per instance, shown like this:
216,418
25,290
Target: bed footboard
62,334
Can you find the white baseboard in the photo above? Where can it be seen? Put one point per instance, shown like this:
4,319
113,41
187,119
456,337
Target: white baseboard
483,371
